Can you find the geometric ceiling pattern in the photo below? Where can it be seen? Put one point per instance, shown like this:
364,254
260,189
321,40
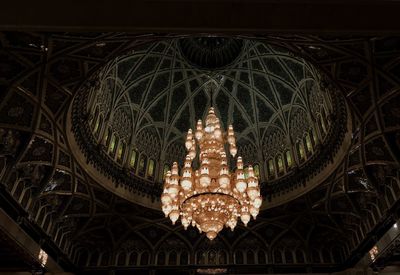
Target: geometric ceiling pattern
142,103
329,228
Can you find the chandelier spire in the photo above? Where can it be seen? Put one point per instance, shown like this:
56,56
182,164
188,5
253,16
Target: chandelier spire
210,197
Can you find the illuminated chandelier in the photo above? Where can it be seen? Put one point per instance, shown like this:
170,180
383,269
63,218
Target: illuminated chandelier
211,196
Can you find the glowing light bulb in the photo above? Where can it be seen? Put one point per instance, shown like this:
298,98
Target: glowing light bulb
217,131
233,150
254,211
167,208
199,130
257,202
245,217
165,198
174,216
253,193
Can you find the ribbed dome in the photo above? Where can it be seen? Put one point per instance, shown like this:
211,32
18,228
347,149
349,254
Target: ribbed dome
146,101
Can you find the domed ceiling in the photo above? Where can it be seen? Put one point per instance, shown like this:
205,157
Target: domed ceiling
52,187
144,102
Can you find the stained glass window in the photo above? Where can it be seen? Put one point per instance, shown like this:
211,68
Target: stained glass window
150,168
142,165
161,258
108,136
239,257
121,150
112,143
322,123
97,132
184,257
144,258
250,257
308,143
133,159
314,136
299,256
261,257
133,258
212,257
289,158
172,259
300,147
271,169
96,119
97,124
222,257
280,164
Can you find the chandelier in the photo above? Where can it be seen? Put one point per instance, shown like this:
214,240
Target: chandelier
211,196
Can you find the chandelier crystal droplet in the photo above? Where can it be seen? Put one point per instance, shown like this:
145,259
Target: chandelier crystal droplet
211,196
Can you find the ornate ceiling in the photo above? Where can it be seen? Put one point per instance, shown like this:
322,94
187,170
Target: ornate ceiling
141,104
328,228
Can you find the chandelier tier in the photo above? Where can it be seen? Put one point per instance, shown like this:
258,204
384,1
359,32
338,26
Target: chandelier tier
211,197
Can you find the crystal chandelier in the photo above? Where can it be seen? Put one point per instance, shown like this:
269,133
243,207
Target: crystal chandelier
211,196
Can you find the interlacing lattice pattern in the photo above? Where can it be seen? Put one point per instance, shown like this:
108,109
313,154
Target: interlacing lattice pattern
267,92
94,229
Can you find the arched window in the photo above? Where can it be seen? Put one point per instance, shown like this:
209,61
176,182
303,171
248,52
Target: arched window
184,258
144,258
277,256
150,169
337,255
257,170
132,161
142,165
95,120
98,127
222,258
108,137
121,259
201,257
279,163
121,151
313,136
326,256
172,258
261,257
250,257
105,259
322,125
133,258
289,160
288,256
94,259
212,257
271,168
83,258
299,256
113,144
239,257
300,149
315,256
161,258
309,144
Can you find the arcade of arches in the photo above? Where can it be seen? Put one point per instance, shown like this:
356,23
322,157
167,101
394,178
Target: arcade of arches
90,123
